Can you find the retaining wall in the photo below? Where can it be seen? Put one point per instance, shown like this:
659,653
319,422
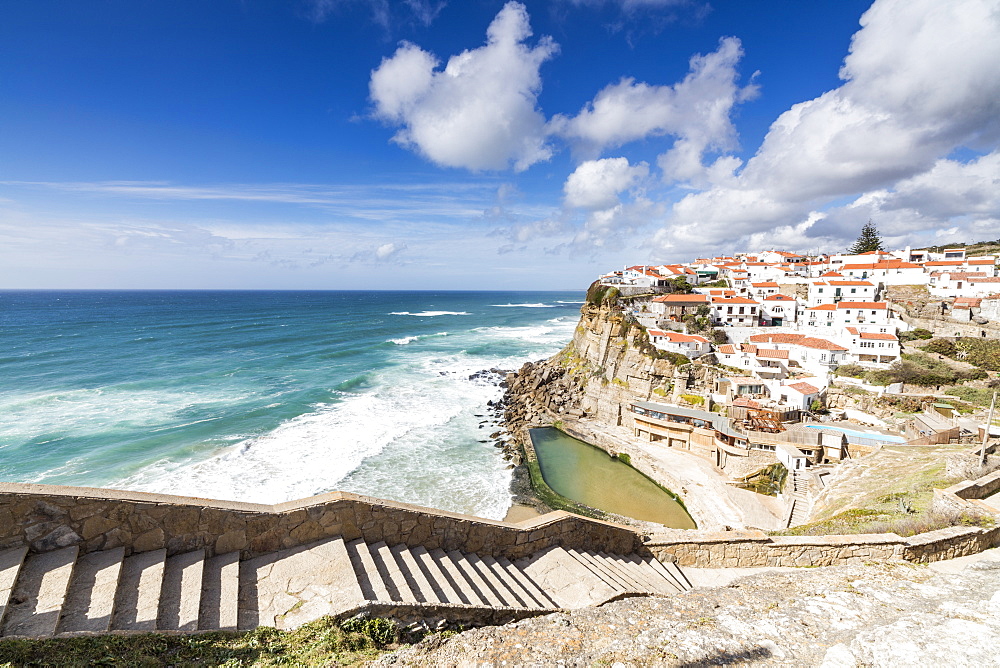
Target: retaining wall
47,517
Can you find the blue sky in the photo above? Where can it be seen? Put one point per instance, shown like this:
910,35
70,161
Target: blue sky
341,144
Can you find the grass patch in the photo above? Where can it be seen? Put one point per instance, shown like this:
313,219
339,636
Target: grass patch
901,523
323,642
895,482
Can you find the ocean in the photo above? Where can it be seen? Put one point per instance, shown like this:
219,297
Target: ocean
268,396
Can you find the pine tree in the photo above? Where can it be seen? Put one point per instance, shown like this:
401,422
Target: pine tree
868,240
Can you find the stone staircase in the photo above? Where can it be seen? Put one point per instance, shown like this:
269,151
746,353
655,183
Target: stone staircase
62,593
801,502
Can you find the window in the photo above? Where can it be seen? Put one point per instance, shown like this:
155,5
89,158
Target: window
729,309
741,313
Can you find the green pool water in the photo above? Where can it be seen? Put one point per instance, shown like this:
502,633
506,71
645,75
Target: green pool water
586,474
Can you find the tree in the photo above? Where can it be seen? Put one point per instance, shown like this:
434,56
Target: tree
869,240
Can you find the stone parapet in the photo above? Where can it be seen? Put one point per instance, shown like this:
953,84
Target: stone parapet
47,517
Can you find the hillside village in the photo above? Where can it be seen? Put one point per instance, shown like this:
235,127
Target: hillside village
788,335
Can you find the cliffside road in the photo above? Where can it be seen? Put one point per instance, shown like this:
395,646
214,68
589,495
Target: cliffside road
845,616
712,503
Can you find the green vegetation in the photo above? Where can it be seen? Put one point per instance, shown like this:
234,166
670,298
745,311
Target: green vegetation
868,240
971,250
978,396
984,353
890,490
922,369
850,370
600,295
323,642
624,457
916,334
721,283
693,399
768,481
899,522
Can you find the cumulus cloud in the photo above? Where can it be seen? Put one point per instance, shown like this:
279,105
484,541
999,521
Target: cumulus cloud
920,81
596,183
696,111
480,111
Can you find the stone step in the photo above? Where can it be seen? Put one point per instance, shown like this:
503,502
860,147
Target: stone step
677,573
496,589
443,588
660,584
473,578
367,574
608,573
455,578
515,592
285,589
39,593
392,576
670,583
415,578
10,565
565,580
90,601
540,598
637,579
220,590
466,592
138,599
180,600
669,571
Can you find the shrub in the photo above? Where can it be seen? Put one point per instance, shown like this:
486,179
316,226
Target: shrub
693,399
984,353
941,347
915,334
850,370
973,395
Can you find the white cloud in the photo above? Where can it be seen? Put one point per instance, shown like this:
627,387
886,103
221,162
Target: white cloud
696,111
920,81
386,251
479,112
596,183
383,12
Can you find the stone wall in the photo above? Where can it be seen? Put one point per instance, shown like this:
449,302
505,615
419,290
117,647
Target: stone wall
745,549
46,517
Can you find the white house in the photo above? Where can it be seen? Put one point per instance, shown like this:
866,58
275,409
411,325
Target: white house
800,394
812,354
778,310
689,345
831,291
887,272
868,348
735,311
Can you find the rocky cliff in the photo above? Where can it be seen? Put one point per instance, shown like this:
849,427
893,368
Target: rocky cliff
608,363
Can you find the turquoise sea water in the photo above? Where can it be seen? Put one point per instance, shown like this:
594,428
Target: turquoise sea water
267,396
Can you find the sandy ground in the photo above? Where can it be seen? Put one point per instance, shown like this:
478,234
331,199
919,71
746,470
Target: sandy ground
519,513
712,503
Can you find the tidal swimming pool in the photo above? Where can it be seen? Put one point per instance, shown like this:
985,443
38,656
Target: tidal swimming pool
588,475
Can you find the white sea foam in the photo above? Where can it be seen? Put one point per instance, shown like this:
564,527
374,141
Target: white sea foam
94,411
569,302
430,314
525,305
410,339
